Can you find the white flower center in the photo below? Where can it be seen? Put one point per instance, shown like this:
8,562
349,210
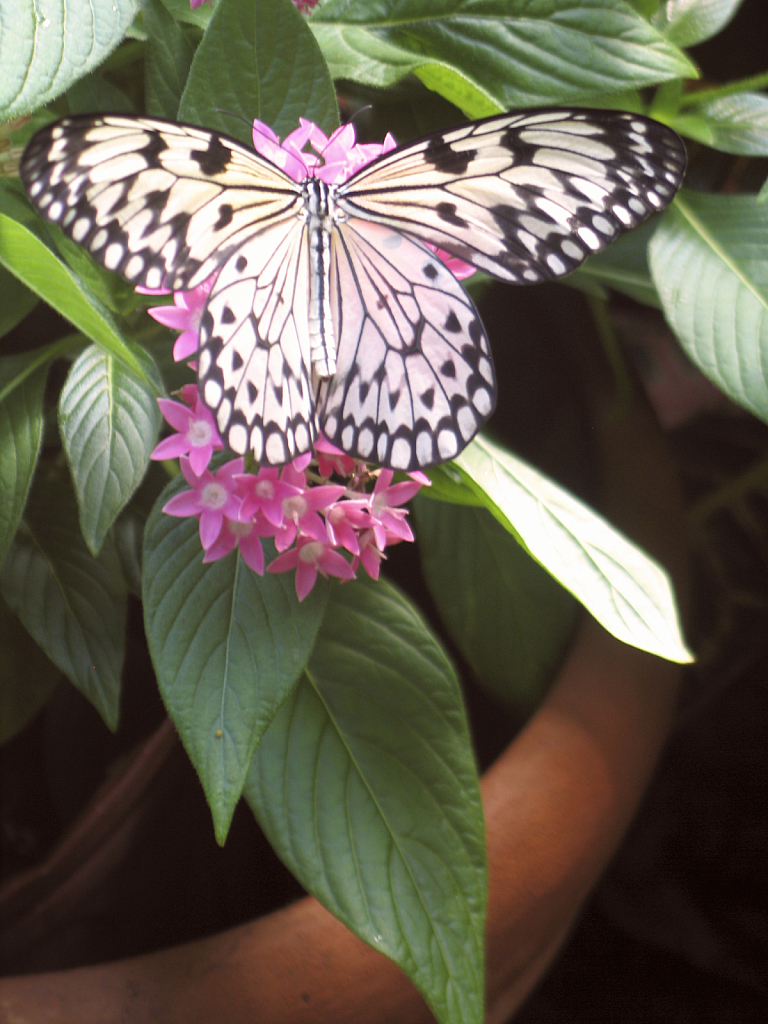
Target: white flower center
200,433
214,496
312,551
295,507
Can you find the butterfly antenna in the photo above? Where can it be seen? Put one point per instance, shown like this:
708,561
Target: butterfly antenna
240,117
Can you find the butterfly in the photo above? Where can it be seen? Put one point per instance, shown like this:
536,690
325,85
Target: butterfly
329,311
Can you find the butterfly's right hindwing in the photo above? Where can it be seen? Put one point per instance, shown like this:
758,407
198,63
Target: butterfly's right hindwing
163,204
414,378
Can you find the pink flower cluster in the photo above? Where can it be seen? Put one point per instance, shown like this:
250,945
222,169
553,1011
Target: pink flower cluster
320,504
310,517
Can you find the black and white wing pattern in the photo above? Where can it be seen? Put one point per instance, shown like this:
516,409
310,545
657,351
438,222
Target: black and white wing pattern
163,204
311,275
254,368
525,196
414,378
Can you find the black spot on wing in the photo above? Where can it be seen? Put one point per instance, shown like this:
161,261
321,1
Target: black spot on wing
227,316
251,389
447,212
429,270
240,264
446,159
214,159
428,398
448,369
225,216
452,324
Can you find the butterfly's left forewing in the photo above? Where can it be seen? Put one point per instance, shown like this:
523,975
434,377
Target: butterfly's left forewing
414,380
164,204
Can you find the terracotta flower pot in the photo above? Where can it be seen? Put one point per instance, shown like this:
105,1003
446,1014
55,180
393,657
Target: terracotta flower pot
557,803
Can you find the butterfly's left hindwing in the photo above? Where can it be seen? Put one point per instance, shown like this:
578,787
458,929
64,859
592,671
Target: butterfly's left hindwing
254,364
414,379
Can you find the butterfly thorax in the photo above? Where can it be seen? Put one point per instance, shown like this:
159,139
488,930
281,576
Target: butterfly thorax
318,215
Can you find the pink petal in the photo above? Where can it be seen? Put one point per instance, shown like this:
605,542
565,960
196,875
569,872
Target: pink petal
306,574
170,448
184,504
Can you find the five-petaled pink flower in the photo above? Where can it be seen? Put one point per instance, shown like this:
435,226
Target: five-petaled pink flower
197,435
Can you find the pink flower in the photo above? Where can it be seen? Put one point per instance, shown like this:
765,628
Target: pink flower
264,493
379,510
335,159
212,498
340,527
184,316
197,434
245,537
301,514
309,557
331,459
370,556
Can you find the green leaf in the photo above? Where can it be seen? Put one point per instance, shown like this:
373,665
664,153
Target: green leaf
622,587
72,604
366,786
22,385
687,22
25,254
109,422
762,195
709,259
17,301
96,93
623,266
733,124
258,60
168,59
508,617
27,677
197,16
44,49
227,645
509,53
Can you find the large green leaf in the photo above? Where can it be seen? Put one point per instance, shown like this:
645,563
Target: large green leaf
167,60
508,617
709,259
227,646
73,604
44,48
22,383
258,60
733,124
109,422
486,55
687,22
623,588
17,301
366,786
